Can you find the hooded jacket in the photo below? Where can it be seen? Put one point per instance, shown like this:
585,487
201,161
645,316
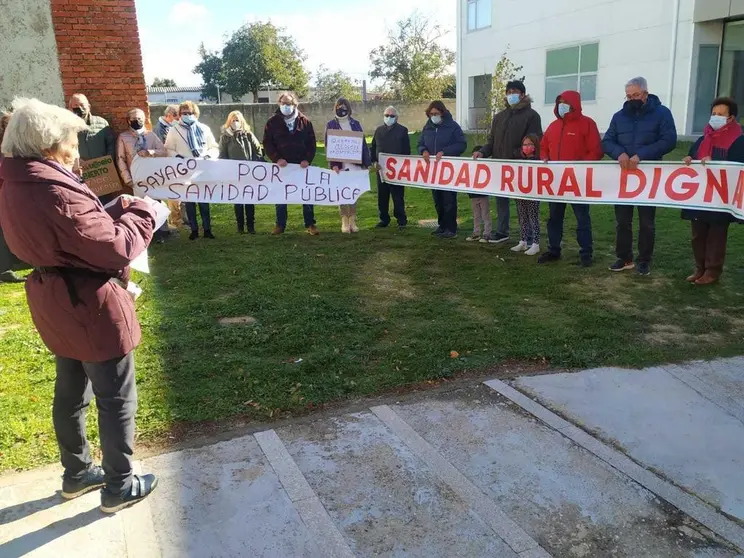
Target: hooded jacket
648,132
508,129
446,137
574,137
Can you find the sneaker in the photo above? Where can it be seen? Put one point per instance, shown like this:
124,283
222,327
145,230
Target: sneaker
437,232
142,486
92,479
644,268
473,238
208,234
548,257
448,235
485,239
521,247
194,235
533,251
277,231
11,277
622,265
312,230
381,225
498,238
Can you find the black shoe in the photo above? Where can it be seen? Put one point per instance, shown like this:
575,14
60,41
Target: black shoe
11,277
208,234
585,262
241,231
194,235
438,231
448,235
92,479
402,227
381,225
548,257
142,487
644,268
498,238
621,265
251,230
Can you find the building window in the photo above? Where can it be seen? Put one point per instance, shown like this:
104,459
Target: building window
173,100
479,14
572,68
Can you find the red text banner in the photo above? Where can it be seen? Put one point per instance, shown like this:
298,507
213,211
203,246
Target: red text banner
714,187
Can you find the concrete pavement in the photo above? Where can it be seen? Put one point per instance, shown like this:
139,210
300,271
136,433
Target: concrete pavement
603,462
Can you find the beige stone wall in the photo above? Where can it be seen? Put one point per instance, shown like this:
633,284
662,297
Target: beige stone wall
28,57
369,114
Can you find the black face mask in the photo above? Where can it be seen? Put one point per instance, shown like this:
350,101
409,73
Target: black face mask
136,124
636,104
342,111
80,112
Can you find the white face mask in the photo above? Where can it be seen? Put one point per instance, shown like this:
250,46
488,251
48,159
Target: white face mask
390,120
717,122
235,125
287,110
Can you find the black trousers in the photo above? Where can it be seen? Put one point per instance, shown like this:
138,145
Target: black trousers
445,203
624,232
113,384
384,192
245,214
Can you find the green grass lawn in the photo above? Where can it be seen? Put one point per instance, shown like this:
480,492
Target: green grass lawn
341,316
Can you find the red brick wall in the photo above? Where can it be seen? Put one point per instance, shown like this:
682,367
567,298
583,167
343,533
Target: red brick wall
100,55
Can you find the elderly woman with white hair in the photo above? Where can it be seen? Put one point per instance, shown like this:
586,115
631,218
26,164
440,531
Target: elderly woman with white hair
391,138
77,294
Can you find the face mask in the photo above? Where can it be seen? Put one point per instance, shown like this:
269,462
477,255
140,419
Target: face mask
342,112
436,119
136,125
80,112
390,120
287,110
188,119
636,104
563,109
513,99
235,125
528,150
718,122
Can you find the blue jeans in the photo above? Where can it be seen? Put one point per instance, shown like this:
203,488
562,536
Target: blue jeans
205,215
308,213
583,228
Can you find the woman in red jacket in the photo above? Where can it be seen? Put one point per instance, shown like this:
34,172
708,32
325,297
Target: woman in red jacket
76,294
571,137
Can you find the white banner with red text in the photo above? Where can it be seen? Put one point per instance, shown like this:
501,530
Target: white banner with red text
714,187
244,182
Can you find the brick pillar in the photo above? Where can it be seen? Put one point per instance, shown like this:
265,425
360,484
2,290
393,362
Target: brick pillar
100,55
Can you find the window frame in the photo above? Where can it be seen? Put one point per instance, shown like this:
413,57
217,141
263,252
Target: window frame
579,74
475,3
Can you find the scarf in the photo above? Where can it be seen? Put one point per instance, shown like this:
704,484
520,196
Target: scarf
141,143
718,141
291,120
195,138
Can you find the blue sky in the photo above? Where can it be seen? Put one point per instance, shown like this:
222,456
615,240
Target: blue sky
336,33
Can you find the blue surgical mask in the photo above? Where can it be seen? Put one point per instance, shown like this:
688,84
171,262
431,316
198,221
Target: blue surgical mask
718,122
513,99
390,120
287,110
188,119
436,119
563,109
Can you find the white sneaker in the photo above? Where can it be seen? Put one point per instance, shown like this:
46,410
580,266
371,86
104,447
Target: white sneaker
533,251
521,247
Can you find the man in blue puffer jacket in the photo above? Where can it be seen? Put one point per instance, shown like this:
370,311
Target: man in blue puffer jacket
643,130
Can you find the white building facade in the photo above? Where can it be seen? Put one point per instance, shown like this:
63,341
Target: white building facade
690,51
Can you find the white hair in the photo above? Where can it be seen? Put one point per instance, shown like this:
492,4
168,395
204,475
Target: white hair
36,128
136,112
639,81
392,109
171,110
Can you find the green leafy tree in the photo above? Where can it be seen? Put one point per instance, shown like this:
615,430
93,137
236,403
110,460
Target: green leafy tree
504,72
329,86
260,55
212,71
413,63
163,82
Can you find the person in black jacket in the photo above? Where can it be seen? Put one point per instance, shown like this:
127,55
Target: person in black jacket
391,138
722,141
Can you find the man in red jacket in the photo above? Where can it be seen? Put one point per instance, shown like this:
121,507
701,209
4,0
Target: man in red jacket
571,137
